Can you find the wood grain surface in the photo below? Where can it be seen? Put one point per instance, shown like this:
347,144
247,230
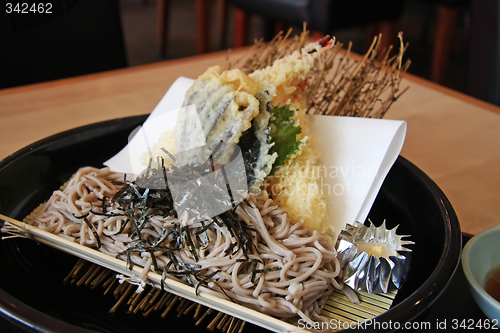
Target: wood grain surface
453,138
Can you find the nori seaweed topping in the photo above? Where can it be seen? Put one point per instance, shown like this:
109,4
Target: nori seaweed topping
150,195
250,149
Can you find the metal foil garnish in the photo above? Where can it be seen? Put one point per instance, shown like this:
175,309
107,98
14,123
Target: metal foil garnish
371,259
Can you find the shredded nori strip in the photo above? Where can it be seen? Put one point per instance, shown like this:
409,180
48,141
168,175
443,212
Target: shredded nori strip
250,149
150,195
91,227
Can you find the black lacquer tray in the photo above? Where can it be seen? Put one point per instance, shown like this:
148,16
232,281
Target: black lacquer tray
34,297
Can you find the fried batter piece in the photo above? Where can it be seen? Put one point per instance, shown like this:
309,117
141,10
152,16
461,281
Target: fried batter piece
235,108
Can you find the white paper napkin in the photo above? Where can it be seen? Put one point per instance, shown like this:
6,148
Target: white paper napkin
357,153
162,119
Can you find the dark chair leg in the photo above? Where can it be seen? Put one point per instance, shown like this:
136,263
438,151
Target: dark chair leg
389,33
222,10
162,11
241,22
483,71
446,21
202,13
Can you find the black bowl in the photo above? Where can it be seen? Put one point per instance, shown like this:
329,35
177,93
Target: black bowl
32,294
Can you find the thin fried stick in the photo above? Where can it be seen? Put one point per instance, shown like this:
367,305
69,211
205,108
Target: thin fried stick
13,226
341,84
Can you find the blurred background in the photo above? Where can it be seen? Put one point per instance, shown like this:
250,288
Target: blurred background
448,44
418,21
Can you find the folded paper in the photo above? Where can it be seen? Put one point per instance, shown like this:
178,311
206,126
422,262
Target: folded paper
357,153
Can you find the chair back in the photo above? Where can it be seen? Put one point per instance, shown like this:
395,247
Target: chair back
67,38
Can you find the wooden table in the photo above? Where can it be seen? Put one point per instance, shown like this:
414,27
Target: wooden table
453,138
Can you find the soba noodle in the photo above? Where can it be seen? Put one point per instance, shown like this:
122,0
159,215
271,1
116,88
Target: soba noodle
290,271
